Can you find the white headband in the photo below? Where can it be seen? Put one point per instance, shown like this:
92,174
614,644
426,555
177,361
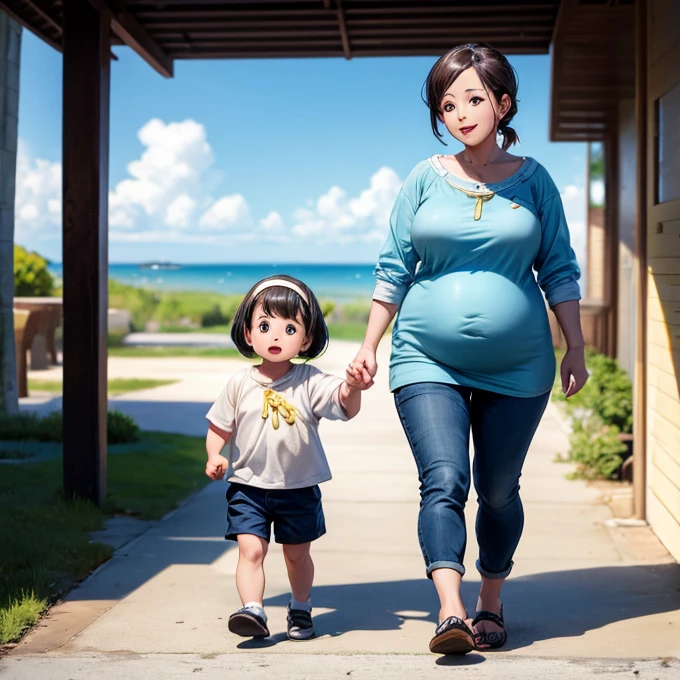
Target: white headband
280,282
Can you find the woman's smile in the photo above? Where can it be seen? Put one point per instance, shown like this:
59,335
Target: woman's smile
467,130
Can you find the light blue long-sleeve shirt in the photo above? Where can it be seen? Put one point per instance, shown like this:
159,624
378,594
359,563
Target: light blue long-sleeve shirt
461,270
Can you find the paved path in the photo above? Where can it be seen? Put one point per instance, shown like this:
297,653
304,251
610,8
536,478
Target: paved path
585,599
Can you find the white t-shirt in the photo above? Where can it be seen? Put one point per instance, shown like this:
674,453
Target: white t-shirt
287,457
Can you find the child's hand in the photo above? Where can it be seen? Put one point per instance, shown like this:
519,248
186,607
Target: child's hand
216,467
354,379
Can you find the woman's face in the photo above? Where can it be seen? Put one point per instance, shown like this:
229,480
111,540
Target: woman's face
470,112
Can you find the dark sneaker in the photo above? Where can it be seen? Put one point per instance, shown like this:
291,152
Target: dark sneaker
247,624
300,626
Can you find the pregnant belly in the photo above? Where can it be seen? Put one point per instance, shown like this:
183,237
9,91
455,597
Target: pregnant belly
474,321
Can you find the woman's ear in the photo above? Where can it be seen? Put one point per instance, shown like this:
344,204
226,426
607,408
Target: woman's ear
504,106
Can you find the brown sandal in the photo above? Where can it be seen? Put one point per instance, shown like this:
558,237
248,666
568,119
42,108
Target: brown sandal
452,636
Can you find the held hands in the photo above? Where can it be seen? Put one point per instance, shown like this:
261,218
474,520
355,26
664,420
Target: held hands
363,367
354,380
216,467
573,371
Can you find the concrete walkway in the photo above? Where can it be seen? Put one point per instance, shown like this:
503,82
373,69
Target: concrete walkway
585,599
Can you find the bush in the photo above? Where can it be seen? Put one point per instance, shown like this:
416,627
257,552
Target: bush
215,317
600,412
115,338
327,308
596,449
31,277
120,428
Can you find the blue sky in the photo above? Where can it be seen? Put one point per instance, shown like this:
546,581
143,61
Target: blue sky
258,160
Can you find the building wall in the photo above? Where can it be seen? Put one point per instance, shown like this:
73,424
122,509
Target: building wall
663,260
627,210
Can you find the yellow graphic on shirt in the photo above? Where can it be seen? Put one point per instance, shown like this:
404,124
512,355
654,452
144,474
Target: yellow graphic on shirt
481,197
278,404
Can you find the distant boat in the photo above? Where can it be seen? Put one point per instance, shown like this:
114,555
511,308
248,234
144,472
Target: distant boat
159,265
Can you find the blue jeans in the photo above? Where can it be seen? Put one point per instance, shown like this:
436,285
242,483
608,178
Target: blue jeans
437,419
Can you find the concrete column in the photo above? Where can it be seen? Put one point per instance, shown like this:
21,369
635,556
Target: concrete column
10,50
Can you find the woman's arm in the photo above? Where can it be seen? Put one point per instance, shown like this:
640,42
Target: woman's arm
573,369
379,319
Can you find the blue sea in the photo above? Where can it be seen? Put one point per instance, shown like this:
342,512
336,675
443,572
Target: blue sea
337,282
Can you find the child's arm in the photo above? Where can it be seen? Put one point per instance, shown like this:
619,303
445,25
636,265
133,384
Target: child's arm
217,464
350,392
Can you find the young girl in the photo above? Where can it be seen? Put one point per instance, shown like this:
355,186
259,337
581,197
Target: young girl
270,414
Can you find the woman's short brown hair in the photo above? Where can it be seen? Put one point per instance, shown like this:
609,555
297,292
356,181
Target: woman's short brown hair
493,69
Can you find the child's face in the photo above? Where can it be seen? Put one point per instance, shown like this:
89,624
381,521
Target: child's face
274,338
470,112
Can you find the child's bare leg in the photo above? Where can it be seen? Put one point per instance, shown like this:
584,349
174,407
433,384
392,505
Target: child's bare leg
301,576
250,570
300,570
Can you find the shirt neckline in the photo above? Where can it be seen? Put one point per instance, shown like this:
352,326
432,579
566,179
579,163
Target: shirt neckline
265,382
519,175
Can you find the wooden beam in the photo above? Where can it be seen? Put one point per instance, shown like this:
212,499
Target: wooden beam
13,10
85,247
134,35
343,30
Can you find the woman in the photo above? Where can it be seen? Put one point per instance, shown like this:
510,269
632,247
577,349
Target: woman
471,344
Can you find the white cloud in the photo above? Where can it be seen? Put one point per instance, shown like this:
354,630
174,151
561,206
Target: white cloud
227,212
178,213
336,218
165,181
37,205
272,223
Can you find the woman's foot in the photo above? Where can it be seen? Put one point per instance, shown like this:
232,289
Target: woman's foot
452,636
488,626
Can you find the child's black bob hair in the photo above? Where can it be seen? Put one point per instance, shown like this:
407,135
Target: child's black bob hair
287,304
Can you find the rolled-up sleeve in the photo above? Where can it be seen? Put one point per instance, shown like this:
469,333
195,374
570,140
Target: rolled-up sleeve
398,258
556,265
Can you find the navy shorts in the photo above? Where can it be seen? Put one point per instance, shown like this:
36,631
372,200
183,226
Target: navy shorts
297,514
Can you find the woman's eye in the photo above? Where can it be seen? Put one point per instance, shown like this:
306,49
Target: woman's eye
264,326
290,329
475,100
449,107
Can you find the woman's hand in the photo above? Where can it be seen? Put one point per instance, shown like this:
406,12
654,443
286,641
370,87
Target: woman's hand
573,371
365,365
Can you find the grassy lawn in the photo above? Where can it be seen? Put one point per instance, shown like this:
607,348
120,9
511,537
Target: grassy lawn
45,540
116,386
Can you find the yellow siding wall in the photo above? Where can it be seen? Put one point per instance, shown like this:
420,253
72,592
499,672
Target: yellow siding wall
663,299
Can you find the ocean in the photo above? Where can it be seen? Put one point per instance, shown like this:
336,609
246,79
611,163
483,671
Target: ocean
336,282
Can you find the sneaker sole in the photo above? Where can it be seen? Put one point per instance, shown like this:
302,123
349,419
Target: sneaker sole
301,639
243,625
452,642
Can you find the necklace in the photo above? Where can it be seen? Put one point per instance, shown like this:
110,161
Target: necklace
481,198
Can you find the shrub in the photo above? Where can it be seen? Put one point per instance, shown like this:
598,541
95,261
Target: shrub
120,428
115,338
596,449
31,277
215,317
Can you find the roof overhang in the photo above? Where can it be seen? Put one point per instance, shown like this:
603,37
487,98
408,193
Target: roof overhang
164,30
593,67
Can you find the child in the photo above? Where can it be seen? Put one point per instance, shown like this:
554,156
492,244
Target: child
270,413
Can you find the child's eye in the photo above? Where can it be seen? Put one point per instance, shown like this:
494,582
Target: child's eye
290,329
264,326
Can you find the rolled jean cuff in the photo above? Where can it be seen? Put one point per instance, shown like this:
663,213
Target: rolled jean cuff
445,565
488,574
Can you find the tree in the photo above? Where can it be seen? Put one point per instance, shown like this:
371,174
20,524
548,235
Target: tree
31,277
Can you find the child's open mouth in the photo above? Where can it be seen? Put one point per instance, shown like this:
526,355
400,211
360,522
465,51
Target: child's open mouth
274,350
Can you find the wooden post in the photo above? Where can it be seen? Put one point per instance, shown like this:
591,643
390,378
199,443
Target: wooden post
85,247
640,375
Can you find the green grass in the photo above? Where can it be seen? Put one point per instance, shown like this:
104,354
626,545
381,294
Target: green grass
45,540
116,386
349,330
